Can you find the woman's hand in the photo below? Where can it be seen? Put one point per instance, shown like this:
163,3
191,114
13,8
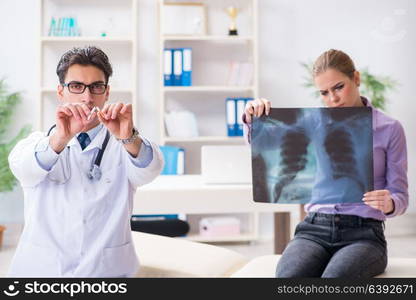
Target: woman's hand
256,108
379,199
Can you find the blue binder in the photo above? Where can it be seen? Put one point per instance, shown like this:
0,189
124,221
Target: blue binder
186,66
177,66
167,67
231,111
240,105
174,160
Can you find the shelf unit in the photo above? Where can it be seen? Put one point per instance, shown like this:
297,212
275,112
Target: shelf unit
117,18
207,88
208,38
212,54
242,46
69,39
249,228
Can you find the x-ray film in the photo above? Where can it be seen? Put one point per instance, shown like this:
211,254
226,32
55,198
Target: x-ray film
312,155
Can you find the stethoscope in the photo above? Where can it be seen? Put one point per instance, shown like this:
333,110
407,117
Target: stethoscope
94,172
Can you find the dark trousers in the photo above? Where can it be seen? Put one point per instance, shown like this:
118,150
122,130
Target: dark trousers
328,245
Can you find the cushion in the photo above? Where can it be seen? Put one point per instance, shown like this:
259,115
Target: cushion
400,267
265,266
262,266
162,256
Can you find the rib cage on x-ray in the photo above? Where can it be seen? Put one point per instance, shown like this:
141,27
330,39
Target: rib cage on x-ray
340,146
335,137
293,151
343,163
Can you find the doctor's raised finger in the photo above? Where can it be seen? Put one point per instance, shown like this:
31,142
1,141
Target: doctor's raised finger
116,110
74,111
105,111
63,111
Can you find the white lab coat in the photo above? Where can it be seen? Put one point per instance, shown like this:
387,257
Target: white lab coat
80,228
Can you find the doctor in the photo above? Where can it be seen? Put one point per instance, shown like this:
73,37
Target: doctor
80,178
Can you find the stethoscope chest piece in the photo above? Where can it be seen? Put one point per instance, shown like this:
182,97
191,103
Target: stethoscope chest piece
95,172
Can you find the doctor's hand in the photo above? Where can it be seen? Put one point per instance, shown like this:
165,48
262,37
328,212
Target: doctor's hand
379,199
118,118
256,108
71,118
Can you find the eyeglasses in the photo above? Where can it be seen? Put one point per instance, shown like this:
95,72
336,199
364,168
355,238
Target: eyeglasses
96,88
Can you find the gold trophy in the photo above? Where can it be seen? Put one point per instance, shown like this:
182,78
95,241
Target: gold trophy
232,12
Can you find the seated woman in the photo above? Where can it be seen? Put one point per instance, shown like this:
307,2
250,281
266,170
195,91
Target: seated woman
347,239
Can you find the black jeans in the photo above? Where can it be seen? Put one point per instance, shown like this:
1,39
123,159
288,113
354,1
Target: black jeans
327,245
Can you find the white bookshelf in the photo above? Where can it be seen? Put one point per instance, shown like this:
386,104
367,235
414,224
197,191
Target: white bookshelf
232,238
205,139
118,18
69,39
50,90
211,55
208,38
209,88
248,230
218,49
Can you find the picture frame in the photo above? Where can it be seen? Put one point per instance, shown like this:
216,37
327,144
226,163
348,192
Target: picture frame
184,18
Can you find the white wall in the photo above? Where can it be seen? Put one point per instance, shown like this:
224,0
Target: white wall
378,34
18,54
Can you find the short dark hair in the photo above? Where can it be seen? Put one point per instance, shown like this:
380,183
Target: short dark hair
85,56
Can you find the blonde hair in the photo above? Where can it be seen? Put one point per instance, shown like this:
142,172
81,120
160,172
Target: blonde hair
336,60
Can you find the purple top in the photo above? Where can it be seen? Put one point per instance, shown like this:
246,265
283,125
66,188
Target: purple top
390,169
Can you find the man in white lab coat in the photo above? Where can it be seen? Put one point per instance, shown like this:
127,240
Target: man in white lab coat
78,205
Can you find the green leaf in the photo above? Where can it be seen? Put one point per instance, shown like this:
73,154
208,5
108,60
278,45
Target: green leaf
8,104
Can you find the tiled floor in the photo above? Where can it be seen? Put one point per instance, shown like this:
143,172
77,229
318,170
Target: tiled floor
400,234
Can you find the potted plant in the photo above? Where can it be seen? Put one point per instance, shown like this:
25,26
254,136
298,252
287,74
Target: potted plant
372,86
8,103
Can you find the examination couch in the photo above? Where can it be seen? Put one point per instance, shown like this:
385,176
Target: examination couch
162,256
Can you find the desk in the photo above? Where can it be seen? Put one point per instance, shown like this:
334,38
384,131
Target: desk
188,194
